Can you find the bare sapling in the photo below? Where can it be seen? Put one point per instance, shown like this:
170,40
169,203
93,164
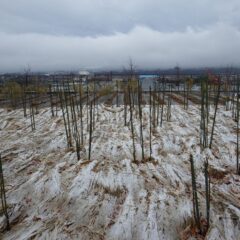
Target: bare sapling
131,123
64,117
169,106
140,117
158,103
207,192
76,134
117,94
150,122
81,111
163,99
51,99
215,111
196,212
87,107
32,115
237,110
204,114
66,103
125,106
90,133
185,95
3,196
94,103
154,108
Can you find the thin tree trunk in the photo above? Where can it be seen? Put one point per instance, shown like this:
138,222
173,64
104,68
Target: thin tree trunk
195,196
90,133
3,195
131,122
150,121
207,187
215,113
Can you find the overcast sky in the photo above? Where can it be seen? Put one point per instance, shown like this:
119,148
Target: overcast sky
87,34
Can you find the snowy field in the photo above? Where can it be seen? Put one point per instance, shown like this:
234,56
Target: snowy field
52,195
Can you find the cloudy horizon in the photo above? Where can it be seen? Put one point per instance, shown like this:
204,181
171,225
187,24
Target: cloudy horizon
103,34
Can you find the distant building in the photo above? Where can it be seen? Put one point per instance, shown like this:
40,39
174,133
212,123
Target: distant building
85,75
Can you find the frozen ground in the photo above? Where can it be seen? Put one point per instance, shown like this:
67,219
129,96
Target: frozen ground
51,195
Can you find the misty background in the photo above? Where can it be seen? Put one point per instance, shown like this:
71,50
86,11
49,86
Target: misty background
103,34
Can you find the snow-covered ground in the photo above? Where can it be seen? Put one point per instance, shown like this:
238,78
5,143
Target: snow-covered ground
51,195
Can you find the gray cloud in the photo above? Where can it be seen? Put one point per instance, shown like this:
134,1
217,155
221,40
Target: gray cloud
217,45
71,34
84,17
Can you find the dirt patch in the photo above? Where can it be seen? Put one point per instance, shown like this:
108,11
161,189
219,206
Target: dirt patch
217,174
192,232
